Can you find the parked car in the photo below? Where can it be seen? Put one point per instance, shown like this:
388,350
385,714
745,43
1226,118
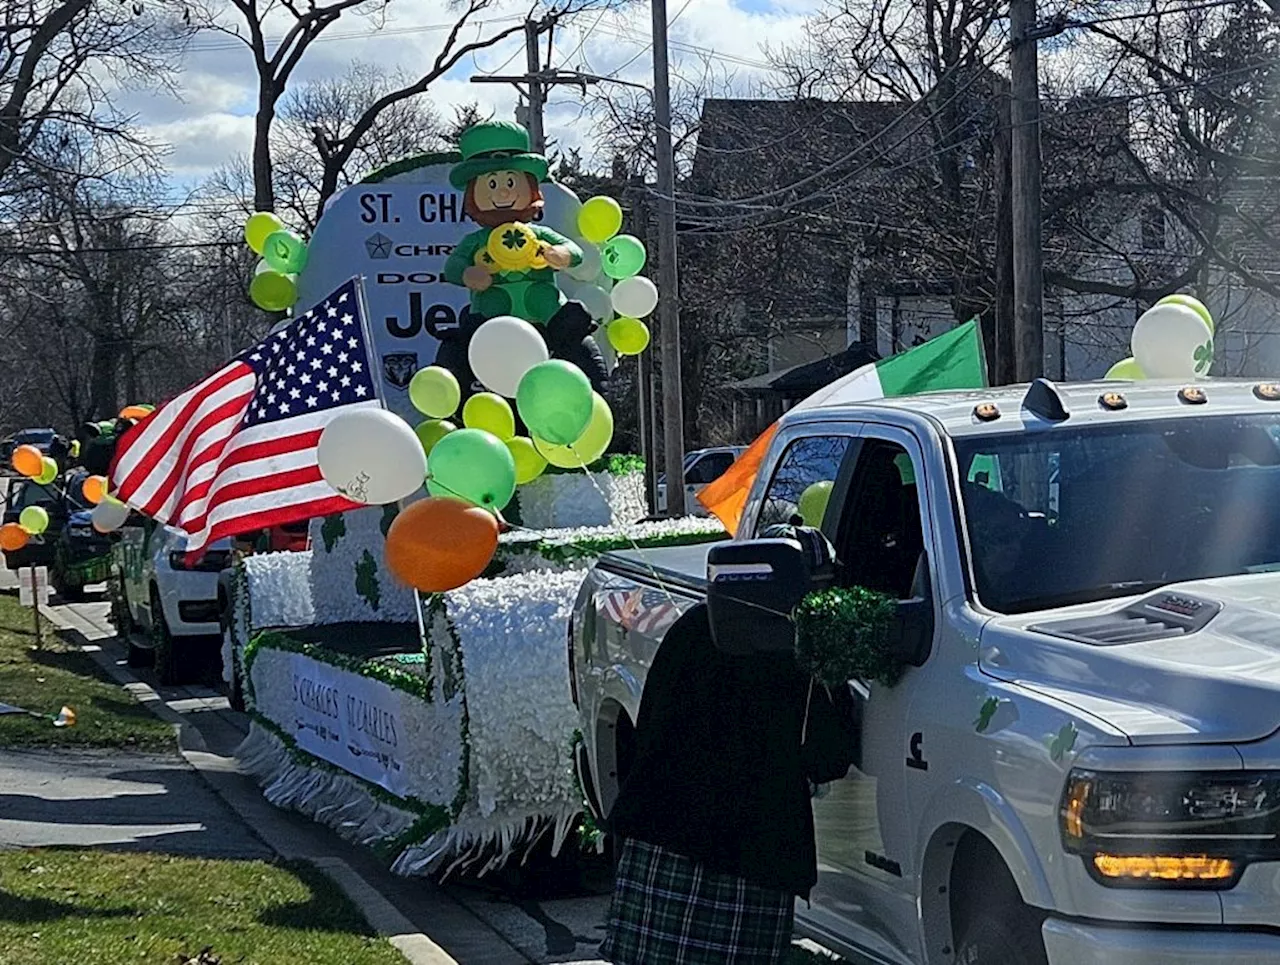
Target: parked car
40,550
702,466
42,439
1081,762
171,604
82,556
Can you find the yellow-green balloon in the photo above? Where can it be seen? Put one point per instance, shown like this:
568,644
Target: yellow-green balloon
530,463
813,502
1126,370
273,292
34,519
599,219
434,392
628,336
490,412
259,227
1191,302
590,446
48,471
431,432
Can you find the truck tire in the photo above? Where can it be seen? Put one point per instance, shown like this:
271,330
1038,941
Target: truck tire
1002,936
170,665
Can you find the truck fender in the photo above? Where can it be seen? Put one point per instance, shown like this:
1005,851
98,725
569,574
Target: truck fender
971,806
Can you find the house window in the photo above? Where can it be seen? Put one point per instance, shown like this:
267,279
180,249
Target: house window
1153,228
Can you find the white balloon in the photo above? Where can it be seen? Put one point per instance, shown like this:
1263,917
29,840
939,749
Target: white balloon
635,297
1165,340
596,301
560,209
589,268
109,515
502,350
371,456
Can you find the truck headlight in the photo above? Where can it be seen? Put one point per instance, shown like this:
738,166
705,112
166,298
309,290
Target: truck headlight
1159,828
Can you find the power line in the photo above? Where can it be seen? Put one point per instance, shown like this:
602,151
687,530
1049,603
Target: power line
239,44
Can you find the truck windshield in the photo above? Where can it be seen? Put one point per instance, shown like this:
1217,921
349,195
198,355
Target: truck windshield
1072,516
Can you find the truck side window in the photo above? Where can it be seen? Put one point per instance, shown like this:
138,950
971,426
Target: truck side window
708,469
803,483
881,539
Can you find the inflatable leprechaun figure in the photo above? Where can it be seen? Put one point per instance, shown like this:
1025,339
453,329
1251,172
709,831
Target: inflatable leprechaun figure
509,263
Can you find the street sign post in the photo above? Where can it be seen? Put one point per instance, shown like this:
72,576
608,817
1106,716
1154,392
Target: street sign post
33,591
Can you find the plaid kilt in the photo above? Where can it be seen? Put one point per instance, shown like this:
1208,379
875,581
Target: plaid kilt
671,910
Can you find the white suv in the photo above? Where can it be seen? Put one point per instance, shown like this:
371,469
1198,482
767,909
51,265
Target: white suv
173,606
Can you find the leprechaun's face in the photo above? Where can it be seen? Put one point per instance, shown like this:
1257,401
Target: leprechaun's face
503,191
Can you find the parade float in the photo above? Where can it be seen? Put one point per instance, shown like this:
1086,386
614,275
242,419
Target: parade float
407,676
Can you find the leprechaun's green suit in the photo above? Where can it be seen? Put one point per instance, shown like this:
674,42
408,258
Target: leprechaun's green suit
530,294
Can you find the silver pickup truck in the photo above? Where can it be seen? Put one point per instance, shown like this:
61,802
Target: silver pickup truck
1081,763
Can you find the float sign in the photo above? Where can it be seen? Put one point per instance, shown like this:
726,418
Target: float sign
397,233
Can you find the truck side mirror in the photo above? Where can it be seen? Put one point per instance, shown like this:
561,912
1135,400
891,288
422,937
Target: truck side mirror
753,586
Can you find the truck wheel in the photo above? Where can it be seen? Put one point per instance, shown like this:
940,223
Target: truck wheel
1002,936
170,668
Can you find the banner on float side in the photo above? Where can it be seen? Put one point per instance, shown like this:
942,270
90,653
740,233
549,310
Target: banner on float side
397,229
362,725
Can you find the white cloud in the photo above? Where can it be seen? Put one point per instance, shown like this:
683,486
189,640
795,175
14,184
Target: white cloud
211,119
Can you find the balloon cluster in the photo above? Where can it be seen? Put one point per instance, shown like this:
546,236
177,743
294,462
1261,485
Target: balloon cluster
274,287
1171,340
608,282
373,457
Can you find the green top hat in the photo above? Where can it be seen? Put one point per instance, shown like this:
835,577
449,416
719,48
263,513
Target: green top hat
495,146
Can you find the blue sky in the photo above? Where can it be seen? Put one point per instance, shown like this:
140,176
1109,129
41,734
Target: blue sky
210,121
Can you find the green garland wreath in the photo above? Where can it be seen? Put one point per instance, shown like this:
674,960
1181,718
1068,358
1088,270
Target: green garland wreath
842,634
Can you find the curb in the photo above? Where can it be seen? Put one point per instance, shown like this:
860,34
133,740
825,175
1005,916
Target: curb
385,919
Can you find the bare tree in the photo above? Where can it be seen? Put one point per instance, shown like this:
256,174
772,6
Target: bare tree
57,56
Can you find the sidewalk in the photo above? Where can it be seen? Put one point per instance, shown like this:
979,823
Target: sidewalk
465,925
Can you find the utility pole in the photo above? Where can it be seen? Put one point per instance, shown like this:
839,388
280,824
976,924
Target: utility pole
668,284
1028,266
533,64
1004,371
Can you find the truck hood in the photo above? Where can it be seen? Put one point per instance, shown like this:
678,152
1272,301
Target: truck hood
1195,662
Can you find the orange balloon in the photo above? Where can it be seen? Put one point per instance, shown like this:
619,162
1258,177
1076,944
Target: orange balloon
94,489
438,544
29,461
13,537
135,412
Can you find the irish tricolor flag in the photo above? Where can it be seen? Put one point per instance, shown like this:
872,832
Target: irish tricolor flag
951,361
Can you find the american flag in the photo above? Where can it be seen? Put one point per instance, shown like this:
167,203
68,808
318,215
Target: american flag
641,610
237,452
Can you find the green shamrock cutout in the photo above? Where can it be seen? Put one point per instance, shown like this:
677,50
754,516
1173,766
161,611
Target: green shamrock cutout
367,580
1204,357
985,713
331,530
1064,742
514,239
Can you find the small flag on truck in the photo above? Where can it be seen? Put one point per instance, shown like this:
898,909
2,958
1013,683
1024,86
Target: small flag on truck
951,361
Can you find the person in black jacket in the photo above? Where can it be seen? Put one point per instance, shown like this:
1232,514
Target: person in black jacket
715,814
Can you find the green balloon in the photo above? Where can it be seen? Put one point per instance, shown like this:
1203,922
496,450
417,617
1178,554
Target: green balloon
434,391
555,401
813,502
622,256
1191,302
431,432
272,291
474,465
1126,370
285,252
34,520
50,471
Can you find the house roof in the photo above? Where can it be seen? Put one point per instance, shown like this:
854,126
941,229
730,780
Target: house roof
804,379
